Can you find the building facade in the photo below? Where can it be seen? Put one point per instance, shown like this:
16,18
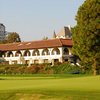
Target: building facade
43,51
2,32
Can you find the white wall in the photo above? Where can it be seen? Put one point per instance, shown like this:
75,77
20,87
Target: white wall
31,59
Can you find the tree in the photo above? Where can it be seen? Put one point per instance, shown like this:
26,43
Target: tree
13,37
45,38
3,42
86,34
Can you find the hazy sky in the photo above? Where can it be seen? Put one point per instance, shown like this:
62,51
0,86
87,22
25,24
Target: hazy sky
34,19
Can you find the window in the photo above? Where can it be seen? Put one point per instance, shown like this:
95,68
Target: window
27,53
18,53
45,60
36,61
66,51
45,52
10,54
36,52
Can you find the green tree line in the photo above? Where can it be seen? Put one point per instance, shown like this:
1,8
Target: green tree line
86,35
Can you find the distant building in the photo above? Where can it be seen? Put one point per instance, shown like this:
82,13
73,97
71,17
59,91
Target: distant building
2,32
65,33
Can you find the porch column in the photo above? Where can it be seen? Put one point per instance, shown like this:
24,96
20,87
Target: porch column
61,54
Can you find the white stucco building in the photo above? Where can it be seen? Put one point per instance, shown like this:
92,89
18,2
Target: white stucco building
43,51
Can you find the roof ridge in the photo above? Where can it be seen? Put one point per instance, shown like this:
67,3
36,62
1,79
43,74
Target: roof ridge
60,41
10,43
27,42
36,44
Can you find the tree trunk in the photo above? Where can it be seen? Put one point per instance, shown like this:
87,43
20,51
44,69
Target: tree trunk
95,70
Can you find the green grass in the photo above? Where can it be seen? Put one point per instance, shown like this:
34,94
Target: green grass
50,88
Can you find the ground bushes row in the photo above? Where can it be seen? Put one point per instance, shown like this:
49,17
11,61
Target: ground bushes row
40,69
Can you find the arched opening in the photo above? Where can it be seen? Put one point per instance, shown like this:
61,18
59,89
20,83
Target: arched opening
18,53
45,52
36,53
27,53
55,51
2,53
66,51
9,54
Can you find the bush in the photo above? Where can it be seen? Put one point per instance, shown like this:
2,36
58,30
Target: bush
63,68
12,69
66,68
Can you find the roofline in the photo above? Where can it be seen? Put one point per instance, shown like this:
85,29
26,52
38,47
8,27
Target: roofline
37,41
39,44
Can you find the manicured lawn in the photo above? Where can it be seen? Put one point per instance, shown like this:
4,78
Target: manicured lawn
50,88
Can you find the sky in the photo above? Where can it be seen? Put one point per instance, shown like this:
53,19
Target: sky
35,19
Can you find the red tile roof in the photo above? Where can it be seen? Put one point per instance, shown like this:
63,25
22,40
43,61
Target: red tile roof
36,44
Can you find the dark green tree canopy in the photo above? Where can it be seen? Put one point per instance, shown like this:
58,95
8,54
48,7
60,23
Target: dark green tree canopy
13,37
86,34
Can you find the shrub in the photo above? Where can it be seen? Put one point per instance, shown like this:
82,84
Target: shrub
40,69
66,68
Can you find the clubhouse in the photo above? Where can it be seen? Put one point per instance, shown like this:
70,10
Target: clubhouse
43,51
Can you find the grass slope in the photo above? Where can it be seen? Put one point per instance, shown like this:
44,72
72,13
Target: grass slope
50,88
